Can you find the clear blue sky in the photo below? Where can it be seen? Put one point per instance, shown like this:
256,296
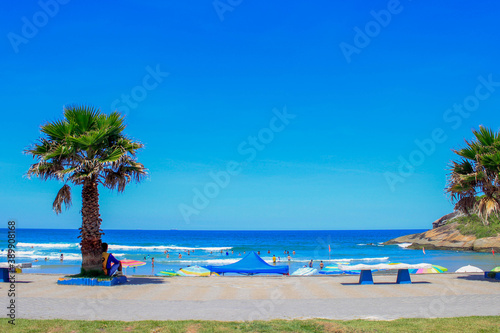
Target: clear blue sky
361,99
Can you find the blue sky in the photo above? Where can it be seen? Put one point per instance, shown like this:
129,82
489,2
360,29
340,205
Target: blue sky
364,81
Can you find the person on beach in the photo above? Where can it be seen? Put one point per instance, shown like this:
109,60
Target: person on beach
311,263
168,255
268,251
110,265
289,258
153,261
62,257
293,252
321,265
274,259
258,253
180,256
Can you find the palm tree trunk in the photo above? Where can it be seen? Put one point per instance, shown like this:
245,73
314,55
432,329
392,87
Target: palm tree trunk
90,232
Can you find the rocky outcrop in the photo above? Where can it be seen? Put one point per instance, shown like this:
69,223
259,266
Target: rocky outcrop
443,220
448,237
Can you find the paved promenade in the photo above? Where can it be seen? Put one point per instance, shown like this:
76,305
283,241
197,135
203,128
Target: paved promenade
255,298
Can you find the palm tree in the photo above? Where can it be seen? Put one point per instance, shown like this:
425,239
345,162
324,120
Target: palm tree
473,183
86,148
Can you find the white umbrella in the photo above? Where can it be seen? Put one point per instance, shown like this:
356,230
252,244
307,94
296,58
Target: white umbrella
469,269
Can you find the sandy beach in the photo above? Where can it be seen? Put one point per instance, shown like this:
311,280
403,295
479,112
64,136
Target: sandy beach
258,298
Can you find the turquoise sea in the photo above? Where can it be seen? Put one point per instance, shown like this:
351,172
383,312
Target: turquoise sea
43,248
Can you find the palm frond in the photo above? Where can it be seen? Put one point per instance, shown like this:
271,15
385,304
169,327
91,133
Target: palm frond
82,117
56,130
63,196
486,207
485,135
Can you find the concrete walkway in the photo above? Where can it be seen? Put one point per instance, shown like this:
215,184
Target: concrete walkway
255,298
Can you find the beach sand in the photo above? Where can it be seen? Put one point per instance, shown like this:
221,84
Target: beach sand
257,298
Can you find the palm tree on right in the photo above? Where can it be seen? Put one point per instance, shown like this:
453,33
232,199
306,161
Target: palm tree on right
474,180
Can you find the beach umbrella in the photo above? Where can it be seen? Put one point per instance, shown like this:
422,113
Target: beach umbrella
496,269
132,263
167,272
433,270
193,271
469,269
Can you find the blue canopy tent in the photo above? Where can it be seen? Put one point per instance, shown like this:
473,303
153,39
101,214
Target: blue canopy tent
250,264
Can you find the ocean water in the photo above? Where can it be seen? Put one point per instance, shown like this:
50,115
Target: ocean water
43,248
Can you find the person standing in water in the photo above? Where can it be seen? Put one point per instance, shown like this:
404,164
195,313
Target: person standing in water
311,263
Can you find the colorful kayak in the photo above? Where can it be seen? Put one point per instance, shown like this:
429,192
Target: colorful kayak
193,271
167,272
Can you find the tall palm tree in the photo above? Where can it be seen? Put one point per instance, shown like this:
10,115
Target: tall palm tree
473,183
86,148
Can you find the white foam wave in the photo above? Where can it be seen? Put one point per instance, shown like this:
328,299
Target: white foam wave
200,261
49,245
50,256
167,247
404,245
346,259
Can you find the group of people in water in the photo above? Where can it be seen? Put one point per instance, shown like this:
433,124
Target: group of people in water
109,257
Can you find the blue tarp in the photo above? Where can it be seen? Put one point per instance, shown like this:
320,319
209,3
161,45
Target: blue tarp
250,264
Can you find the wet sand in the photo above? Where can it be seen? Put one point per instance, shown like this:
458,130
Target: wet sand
257,298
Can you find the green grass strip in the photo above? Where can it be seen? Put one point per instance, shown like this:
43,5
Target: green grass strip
460,324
